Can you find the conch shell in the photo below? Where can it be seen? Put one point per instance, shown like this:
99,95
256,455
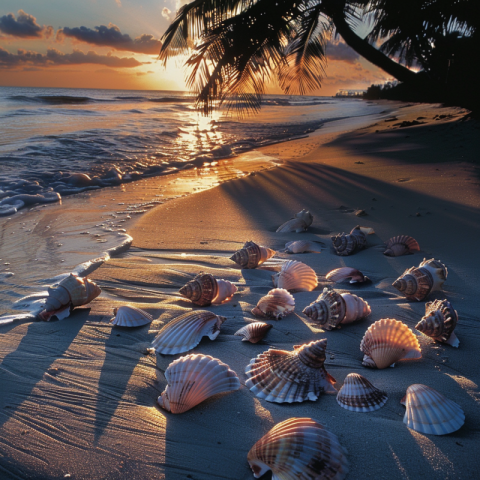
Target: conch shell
301,221
302,246
194,378
332,308
340,274
386,342
253,332
295,275
359,395
417,282
252,255
439,322
128,316
281,376
348,244
299,449
401,245
71,292
276,304
204,290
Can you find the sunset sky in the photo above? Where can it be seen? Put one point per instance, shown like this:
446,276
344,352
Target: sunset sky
115,43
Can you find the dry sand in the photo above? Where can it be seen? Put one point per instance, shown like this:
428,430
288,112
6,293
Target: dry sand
78,397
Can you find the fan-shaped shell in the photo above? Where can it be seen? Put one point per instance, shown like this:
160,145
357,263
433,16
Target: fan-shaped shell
128,316
428,411
401,245
306,216
294,225
439,322
194,378
340,274
302,246
281,376
253,332
386,342
348,244
299,449
252,255
276,304
295,275
185,332
359,395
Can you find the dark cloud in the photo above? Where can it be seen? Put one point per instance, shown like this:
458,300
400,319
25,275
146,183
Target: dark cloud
24,26
111,36
341,51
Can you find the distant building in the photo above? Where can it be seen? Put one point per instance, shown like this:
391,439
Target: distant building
350,93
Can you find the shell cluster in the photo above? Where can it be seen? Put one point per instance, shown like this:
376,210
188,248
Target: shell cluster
359,395
205,290
252,255
278,303
253,332
129,316
401,245
295,276
300,223
439,322
347,244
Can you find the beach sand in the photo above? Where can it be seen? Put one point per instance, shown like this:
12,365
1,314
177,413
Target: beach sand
78,397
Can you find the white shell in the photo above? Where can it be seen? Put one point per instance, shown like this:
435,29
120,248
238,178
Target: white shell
306,216
302,246
226,290
253,332
294,225
128,316
297,276
359,395
276,304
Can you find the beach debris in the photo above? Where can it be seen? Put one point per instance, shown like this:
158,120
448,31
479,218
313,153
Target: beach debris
388,341
428,411
340,274
204,290
253,332
278,303
401,245
252,255
417,282
359,395
129,316
295,275
194,378
439,322
71,292
300,223
299,448
331,309
347,244
281,376
302,246
361,213
185,332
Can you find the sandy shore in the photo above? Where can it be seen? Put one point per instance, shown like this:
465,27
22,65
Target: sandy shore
79,397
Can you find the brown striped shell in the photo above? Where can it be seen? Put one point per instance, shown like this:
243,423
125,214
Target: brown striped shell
252,255
348,244
359,395
278,303
253,332
129,316
295,276
401,245
340,274
439,322
205,289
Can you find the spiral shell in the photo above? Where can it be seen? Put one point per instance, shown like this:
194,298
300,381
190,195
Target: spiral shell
302,246
348,244
297,276
128,316
185,332
299,449
204,290
386,342
340,274
359,395
439,322
281,376
428,411
253,332
252,255
401,245
278,303
194,378
294,225
226,290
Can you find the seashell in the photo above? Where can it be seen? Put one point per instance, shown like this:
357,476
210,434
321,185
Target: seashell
226,290
428,411
294,225
253,332
359,395
340,274
194,378
299,449
185,332
128,316
348,244
401,245
386,342
439,322
281,376
278,303
295,275
71,292
306,216
417,282
251,255
331,308
204,290
302,246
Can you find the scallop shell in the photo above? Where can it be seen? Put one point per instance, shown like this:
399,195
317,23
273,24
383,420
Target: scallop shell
299,449
128,316
278,303
359,395
386,342
253,332
295,275
204,290
340,274
281,376
185,332
401,245
293,225
348,244
194,378
428,411
302,246
439,322
252,255
306,216
417,282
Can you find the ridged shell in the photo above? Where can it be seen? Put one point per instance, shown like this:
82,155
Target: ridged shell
302,246
428,411
128,316
386,342
185,332
281,376
299,449
194,378
348,244
226,290
276,304
204,290
439,322
359,395
295,275
252,255
401,245
340,274
306,216
253,332
417,282
294,225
